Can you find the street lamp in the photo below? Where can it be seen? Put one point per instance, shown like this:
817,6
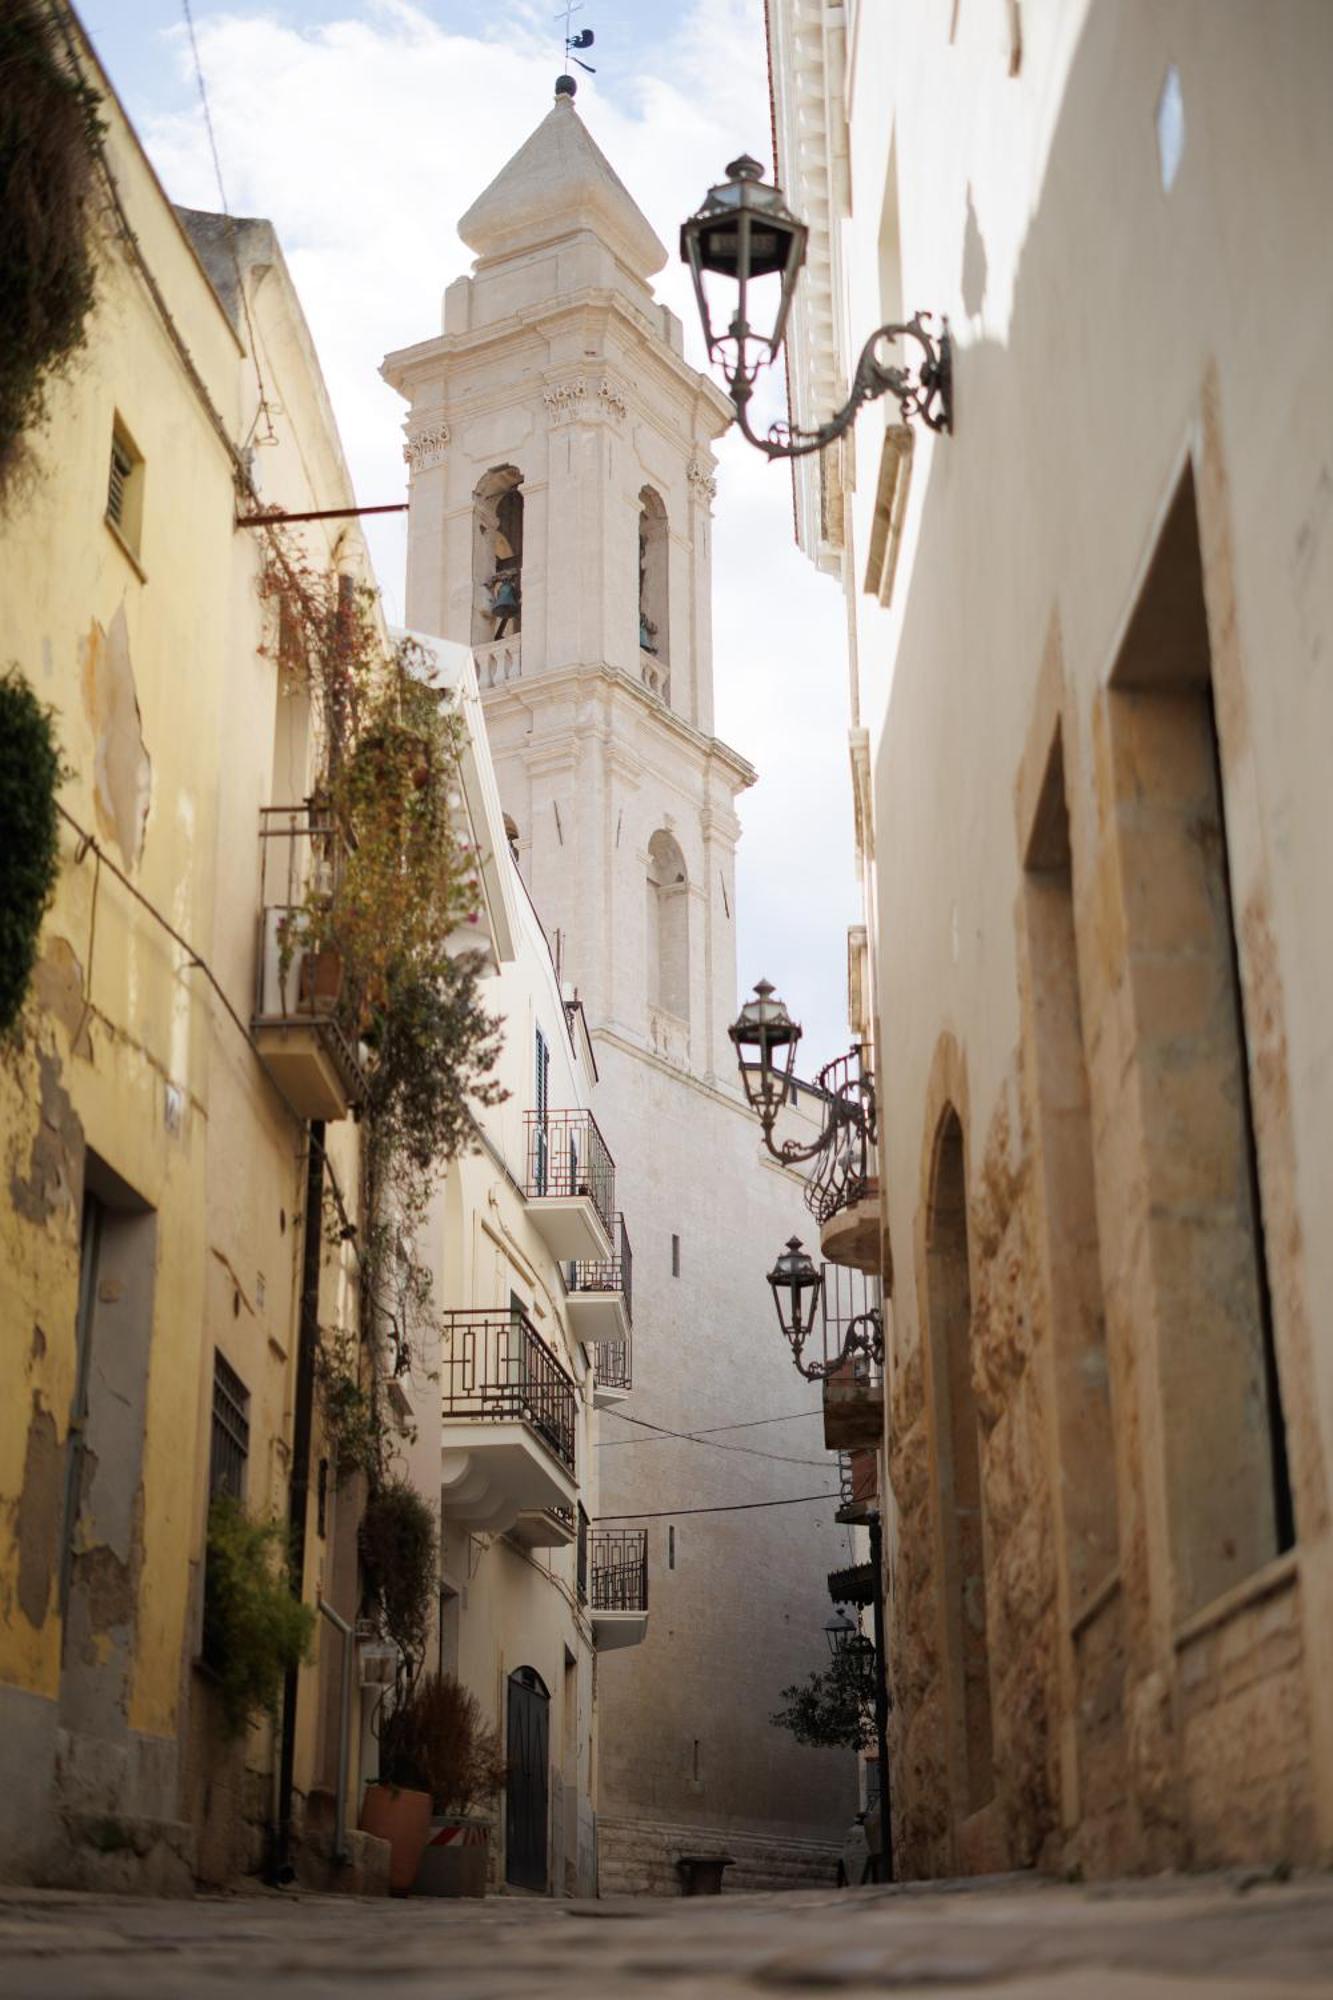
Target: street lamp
838,1630
765,1038
797,1290
743,233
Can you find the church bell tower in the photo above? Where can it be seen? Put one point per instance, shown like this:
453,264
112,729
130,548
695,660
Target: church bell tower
560,452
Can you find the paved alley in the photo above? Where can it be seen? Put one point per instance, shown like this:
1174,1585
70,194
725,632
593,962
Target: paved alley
1231,1938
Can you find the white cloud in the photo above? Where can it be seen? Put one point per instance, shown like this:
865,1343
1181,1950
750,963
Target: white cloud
363,139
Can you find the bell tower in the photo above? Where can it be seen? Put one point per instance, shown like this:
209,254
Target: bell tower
560,454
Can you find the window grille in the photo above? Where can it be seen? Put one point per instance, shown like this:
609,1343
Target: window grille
122,465
231,1433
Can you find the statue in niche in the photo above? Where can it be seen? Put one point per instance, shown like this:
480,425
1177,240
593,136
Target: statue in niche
647,629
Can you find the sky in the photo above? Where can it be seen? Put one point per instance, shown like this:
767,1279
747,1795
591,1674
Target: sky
362,129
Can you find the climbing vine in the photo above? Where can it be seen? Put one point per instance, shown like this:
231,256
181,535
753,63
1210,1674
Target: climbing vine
30,773
49,135
390,910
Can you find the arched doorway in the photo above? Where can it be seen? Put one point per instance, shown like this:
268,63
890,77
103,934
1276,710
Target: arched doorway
958,1459
527,1750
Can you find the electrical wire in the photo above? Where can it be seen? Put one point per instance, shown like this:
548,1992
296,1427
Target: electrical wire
263,409
737,1507
691,1437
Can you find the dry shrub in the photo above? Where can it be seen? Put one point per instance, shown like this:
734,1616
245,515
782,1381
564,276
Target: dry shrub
462,1751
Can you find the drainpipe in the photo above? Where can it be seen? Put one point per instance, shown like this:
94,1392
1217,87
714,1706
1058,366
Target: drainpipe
881,1695
340,1848
299,1490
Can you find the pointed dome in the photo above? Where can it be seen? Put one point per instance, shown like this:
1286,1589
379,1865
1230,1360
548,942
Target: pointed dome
560,180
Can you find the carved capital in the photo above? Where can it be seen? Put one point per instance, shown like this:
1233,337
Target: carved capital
426,447
702,480
564,400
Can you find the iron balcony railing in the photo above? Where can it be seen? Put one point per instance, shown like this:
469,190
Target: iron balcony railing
616,1274
496,1367
581,1565
845,1165
620,1569
613,1364
567,1155
302,851
851,1314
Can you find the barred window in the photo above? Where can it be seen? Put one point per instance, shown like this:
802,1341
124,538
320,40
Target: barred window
231,1432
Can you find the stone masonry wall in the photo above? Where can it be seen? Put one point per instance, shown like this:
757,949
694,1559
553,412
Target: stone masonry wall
638,1858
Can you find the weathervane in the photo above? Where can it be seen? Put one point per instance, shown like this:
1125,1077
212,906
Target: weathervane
584,39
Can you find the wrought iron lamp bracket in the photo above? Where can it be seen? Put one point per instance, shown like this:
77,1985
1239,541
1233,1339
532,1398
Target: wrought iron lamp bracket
850,1108
864,1335
926,392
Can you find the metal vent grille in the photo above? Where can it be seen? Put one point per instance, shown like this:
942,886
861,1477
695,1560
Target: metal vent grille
121,468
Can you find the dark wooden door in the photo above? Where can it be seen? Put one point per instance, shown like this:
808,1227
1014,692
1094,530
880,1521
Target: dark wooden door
528,1752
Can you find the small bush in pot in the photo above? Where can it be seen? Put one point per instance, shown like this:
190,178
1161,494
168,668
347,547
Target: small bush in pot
400,1559
462,1754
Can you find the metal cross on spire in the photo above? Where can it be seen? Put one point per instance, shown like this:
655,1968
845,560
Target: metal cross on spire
584,38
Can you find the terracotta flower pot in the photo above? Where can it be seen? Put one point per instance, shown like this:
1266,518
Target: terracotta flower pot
321,980
403,1819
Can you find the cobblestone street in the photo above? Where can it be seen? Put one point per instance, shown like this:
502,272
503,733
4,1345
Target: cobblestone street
1221,1936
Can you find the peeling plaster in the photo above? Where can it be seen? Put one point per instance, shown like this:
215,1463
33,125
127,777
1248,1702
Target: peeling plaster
37,1515
122,769
55,1163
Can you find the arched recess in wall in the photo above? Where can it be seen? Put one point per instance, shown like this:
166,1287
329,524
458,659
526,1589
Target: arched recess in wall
497,555
958,1470
668,927
654,562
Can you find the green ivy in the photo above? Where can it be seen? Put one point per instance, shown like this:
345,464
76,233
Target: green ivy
30,773
49,134
255,1631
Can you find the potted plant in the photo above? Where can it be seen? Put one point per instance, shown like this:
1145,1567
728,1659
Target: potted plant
462,1754
399,1559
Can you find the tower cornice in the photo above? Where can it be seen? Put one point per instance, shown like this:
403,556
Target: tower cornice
407,366
557,682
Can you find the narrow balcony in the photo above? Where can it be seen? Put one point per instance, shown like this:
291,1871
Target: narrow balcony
654,674
853,1358
544,1528
619,1587
571,1186
509,1414
843,1192
300,1024
601,1294
613,1378
498,661
858,1482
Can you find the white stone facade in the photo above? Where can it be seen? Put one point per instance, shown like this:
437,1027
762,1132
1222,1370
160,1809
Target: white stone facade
556,362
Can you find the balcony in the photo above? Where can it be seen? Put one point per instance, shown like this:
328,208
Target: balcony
498,661
300,1025
858,1482
571,1186
544,1528
853,1371
613,1378
601,1294
619,1587
509,1412
843,1192
654,674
